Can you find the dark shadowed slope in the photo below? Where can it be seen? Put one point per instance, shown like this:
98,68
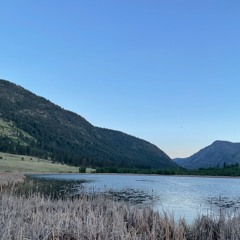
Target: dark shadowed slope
215,155
30,124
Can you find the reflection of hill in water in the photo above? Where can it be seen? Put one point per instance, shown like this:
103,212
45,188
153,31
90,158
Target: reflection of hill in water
54,188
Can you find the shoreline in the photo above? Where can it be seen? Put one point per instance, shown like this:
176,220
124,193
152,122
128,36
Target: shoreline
130,174
13,178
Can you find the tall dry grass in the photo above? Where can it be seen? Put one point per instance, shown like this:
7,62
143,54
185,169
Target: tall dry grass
98,217
10,179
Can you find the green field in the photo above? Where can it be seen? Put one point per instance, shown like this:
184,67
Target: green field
28,164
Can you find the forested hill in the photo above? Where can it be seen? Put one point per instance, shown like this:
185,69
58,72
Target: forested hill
218,154
32,125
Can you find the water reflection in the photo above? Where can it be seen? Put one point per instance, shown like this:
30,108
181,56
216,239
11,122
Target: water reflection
52,187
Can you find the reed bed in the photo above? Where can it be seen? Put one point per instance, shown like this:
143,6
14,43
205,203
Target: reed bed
10,179
98,217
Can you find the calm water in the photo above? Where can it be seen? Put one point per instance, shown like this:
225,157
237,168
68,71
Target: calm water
183,196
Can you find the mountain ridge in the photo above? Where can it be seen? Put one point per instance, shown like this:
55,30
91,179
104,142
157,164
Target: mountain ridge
65,136
218,154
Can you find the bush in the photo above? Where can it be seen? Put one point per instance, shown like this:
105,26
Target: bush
82,170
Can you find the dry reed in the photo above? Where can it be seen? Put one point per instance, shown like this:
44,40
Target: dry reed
98,217
10,179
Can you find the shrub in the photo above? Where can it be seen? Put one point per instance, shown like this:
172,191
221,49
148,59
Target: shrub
82,170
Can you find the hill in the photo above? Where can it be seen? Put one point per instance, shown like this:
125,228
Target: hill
218,154
32,125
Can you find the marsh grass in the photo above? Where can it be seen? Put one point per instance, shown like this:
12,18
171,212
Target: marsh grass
99,217
10,180
92,216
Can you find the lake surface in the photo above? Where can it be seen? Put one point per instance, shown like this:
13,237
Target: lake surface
183,196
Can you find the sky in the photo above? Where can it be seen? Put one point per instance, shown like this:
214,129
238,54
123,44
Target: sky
167,71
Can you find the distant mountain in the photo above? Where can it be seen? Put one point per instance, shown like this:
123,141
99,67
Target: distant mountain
215,155
32,125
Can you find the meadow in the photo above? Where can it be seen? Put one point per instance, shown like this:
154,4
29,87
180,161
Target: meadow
28,164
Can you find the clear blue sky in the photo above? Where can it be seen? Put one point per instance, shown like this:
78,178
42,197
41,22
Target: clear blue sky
167,71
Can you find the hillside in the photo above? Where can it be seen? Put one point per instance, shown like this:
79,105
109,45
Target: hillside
32,125
215,155
19,163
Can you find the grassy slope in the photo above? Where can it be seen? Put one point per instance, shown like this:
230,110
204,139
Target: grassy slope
17,135
14,163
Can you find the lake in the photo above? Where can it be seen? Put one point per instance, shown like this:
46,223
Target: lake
183,196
